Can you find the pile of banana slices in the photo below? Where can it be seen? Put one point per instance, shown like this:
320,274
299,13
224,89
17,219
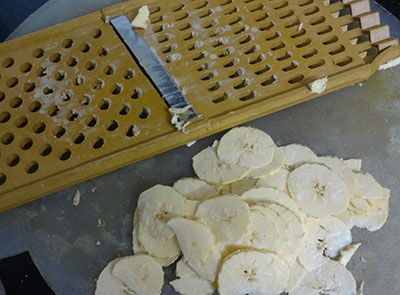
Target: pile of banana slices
259,219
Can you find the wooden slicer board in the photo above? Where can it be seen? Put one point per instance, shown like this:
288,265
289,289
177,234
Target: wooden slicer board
72,98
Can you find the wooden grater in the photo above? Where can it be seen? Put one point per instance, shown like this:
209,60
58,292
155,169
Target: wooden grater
74,104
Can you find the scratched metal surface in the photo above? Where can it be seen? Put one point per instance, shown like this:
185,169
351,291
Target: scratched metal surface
360,122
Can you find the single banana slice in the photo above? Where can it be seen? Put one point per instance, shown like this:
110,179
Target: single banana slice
271,168
137,248
347,253
353,164
227,216
189,283
368,214
331,278
253,273
191,208
155,207
246,147
296,273
195,189
324,238
318,190
297,154
209,168
271,195
140,274
108,284
241,186
277,180
261,234
198,246
368,188
343,171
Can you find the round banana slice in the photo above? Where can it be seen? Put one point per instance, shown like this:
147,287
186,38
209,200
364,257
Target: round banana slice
253,273
272,167
241,186
209,168
194,189
331,278
324,238
318,190
227,216
246,147
353,164
277,180
271,195
155,207
297,154
368,188
137,248
190,286
261,234
108,284
140,274
343,171
198,246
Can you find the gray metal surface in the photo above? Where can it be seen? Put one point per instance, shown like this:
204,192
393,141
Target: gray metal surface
361,122
150,64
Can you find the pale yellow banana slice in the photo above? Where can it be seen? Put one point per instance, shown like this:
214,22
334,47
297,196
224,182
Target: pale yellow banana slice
107,284
137,248
140,274
246,147
227,216
271,195
261,233
330,278
277,180
318,190
353,164
155,207
209,168
368,188
347,253
324,238
343,171
272,167
191,208
194,189
198,246
241,186
297,154
253,273
183,270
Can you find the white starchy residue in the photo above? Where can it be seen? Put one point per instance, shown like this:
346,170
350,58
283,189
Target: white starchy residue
360,84
101,222
362,259
98,243
190,144
77,198
93,189
390,64
174,57
180,117
318,86
142,18
300,27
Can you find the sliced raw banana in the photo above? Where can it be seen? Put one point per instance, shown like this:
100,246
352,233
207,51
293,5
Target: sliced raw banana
353,164
253,273
246,147
198,246
183,270
191,208
343,171
140,274
347,253
261,233
195,189
209,168
270,195
227,216
297,154
277,180
155,207
272,167
137,248
107,284
330,278
324,238
190,286
368,188
318,190
296,273
241,186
